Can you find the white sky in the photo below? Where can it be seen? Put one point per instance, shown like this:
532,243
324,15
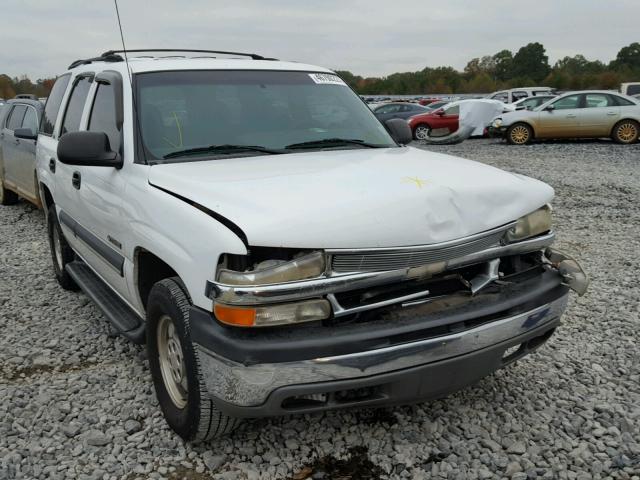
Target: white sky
369,37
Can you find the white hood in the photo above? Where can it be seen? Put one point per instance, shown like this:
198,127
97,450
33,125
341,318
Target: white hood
360,198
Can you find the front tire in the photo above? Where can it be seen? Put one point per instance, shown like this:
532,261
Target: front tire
422,132
61,251
7,197
175,369
626,132
519,134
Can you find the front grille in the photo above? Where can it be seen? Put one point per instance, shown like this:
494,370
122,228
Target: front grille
381,260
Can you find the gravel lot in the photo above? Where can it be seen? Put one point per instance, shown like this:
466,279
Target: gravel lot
78,402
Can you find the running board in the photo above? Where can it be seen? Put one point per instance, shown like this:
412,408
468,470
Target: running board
127,322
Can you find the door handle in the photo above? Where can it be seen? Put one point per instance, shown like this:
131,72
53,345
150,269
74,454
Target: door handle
52,165
611,113
16,141
75,180
571,115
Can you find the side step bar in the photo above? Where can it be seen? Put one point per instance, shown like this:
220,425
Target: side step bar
127,322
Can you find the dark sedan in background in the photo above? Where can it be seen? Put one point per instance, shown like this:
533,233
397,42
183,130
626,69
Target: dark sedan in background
404,110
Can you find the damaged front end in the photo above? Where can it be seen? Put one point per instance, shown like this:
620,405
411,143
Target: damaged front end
341,284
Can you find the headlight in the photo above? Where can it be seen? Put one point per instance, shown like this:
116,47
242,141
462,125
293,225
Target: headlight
306,266
531,225
271,315
497,123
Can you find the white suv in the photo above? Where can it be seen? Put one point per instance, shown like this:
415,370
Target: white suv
515,94
278,248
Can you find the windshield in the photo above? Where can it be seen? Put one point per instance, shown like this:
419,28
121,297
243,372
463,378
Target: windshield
270,111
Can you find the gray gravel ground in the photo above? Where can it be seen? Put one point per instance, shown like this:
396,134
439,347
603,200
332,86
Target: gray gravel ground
78,403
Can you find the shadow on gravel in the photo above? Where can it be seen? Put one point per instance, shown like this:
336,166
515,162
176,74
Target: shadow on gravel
356,467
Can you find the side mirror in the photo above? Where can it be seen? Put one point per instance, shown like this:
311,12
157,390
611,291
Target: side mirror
90,149
439,112
399,130
25,133
549,108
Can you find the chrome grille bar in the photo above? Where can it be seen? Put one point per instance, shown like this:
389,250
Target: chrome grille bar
383,259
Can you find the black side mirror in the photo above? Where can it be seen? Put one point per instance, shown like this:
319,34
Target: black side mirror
25,133
399,130
91,149
549,108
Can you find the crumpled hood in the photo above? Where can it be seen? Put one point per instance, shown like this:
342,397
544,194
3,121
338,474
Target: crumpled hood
358,198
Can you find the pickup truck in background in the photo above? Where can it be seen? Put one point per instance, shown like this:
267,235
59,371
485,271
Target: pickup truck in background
19,122
281,250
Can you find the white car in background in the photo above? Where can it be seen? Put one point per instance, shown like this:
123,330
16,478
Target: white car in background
515,94
280,249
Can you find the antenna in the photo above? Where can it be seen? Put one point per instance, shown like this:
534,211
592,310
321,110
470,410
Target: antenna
138,136
124,48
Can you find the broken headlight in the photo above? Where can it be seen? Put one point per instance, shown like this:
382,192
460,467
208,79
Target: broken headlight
277,271
530,225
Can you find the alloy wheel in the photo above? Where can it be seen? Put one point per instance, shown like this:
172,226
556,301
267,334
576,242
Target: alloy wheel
520,134
422,132
172,364
627,132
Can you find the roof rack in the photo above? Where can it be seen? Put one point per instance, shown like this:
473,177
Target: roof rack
113,55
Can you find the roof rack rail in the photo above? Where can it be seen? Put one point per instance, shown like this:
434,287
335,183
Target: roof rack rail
254,56
114,55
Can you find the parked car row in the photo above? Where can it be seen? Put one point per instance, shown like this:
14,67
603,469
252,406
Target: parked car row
277,247
587,114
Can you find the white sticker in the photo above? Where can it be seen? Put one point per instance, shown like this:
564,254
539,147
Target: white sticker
327,79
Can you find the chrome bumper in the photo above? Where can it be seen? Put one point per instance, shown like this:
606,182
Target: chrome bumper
244,386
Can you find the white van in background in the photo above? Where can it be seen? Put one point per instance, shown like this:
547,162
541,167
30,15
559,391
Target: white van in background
515,94
630,88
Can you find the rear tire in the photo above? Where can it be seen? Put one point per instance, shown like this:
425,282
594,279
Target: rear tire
61,251
519,134
175,369
626,132
7,197
422,132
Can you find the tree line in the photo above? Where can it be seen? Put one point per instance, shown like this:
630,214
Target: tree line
529,66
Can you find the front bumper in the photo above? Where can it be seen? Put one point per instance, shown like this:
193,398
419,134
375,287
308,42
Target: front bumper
401,357
497,132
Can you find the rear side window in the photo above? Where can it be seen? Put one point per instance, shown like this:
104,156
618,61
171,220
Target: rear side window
518,96
15,117
52,107
75,106
623,102
598,100
30,120
103,115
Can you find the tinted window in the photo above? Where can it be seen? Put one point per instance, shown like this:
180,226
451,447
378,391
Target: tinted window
623,102
388,109
30,120
633,89
572,101
596,100
502,96
52,107
453,110
518,96
15,117
75,106
103,115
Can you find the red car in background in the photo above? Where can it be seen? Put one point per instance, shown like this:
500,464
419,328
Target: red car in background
445,119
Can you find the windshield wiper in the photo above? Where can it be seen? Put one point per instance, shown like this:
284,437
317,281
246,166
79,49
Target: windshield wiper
331,142
221,149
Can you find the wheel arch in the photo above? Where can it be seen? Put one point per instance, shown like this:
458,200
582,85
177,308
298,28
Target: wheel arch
149,269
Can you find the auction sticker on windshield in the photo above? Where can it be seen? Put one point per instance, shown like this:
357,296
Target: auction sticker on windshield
327,79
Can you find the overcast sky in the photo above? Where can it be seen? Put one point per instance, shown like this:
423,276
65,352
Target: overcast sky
369,37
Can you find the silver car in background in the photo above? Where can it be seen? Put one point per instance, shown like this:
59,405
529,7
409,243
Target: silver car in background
586,114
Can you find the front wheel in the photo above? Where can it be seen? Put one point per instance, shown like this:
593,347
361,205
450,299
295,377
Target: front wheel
174,366
626,131
422,132
519,134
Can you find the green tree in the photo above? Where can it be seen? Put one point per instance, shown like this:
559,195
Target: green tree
531,61
503,61
628,56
